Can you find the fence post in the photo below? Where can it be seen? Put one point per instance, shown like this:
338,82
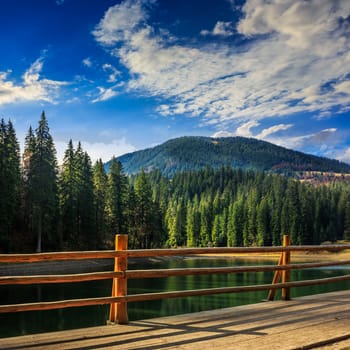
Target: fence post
286,273
276,279
118,311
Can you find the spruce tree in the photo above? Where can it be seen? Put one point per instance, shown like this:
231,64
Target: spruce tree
347,219
100,201
87,231
263,224
116,198
68,194
9,183
144,211
41,187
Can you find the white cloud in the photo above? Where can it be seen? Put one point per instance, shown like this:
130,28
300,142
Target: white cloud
87,62
223,133
272,130
119,22
323,140
220,28
302,23
244,130
32,88
344,156
296,62
343,87
106,151
114,73
97,150
105,94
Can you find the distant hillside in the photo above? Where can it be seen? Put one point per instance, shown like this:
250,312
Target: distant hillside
192,153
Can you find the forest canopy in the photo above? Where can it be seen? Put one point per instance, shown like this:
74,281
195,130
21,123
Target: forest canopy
78,205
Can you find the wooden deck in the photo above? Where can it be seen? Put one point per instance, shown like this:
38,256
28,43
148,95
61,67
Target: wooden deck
313,322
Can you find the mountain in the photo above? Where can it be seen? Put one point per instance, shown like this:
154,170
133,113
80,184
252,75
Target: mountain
194,152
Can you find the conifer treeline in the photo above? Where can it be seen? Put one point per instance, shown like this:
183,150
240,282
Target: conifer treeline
80,206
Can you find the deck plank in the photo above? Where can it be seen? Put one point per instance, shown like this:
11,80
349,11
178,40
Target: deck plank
314,322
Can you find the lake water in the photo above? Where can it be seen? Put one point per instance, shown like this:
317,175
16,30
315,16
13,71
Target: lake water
22,323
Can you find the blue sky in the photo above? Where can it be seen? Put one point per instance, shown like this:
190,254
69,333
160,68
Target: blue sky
126,75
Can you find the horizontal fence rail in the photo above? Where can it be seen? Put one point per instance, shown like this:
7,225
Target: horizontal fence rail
143,253
119,297
159,273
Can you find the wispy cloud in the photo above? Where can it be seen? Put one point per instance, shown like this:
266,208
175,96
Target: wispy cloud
221,29
344,155
324,141
295,60
245,130
32,88
105,94
87,62
113,72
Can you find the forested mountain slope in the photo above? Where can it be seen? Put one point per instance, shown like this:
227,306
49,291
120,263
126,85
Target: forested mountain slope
193,153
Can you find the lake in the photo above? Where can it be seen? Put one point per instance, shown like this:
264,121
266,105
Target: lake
22,323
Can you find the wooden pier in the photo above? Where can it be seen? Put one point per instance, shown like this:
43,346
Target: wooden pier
313,322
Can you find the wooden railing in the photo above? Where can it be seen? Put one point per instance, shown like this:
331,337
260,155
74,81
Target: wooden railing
119,297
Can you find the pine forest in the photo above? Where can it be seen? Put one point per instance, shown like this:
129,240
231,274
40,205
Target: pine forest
79,206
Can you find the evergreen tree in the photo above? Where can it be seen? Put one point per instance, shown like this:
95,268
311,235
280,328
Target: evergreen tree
347,218
116,197
9,183
251,219
193,223
143,194
86,223
68,195
190,237
172,226
263,224
205,223
235,224
215,232
41,186
100,201
223,229
306,216
131,215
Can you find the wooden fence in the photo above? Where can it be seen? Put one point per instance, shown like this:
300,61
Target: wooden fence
119,296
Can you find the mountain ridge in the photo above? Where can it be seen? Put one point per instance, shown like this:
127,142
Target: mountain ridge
196,152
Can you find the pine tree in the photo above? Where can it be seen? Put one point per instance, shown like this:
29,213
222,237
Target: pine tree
9,183
41,186
215,232
263,224
205,223
116,198
251,224
172,225
144,211
100,201
223,228
235,223
131,217
86,210
77,203
190,241
347,218
68,195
